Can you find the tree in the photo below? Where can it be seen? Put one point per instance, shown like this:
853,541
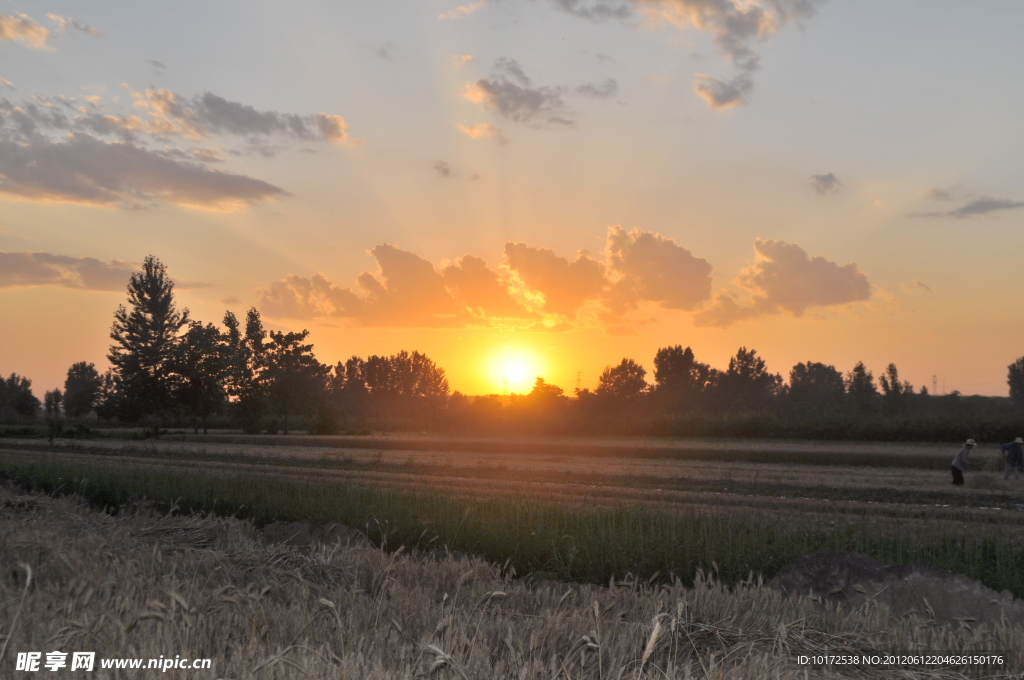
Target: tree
81,389
748,383
246,368
294,376
816,384
860,387
200,367
1015,379
51,403
16,395
678,376
894,392
625,381
144,343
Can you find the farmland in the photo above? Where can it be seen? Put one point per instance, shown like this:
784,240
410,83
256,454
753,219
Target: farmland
661,516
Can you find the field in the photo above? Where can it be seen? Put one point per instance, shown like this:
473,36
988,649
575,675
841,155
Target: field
656,514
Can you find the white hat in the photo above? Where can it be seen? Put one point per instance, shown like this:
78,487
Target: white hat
971,442
1018,440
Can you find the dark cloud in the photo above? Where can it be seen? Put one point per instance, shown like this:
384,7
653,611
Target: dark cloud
23,29
511,93
565,286
158,66
83,169
720,94
229,300
980,206
443,169
825,184
43,269
650,267
66,23
597,10
784,277
608,88
939,194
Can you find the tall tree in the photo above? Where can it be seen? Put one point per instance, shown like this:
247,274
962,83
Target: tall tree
144,342
1015,379
894,392
81,389
246,369
679,377
816,385
16,396
748,383
52,402
625,381
860,387
294,377
200,367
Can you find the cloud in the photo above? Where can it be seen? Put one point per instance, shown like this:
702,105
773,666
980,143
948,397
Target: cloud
980,206
23,29
158,66
564,286
24,269
220,115
720,94
825,184
65,23
229,300
735,25
462,59
595,10
462,11
443,169
481,289
480,131
649,267
784,277
87,170
609,88
511,93
7,83
939,194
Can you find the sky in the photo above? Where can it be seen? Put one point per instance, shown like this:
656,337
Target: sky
524,187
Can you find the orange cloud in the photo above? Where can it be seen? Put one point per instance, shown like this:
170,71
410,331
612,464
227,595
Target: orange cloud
23,29
462,11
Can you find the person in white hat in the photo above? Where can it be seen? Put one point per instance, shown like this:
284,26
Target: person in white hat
1014,452
959,465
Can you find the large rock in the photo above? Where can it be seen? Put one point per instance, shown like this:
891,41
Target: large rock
918,588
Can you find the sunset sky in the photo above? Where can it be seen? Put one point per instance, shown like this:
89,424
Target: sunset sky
553,184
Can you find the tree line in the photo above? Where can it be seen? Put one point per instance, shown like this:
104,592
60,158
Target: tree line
169,369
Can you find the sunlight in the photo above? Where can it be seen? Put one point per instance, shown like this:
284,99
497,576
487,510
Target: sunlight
513,369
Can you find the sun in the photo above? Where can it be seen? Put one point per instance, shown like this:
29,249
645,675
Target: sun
513,369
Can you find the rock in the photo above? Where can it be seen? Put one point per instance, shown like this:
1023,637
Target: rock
306,533
917,588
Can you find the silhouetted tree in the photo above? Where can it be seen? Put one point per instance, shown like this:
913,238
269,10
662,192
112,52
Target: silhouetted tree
81,389
51,403
860,387
747,383
144,339
894,392
1015,379
294,376
625,381
246,365
816,385
16,396
200,367
679,377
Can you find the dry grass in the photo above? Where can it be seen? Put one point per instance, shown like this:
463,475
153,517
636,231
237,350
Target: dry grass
145,586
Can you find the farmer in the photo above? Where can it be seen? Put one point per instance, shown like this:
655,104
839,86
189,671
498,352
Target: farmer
1014,452
959,465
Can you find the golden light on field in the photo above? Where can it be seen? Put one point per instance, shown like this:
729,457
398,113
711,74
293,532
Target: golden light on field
513,369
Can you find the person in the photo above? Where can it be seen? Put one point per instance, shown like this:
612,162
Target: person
1014,452
959,465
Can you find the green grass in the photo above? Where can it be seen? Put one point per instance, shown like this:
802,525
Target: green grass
575,542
